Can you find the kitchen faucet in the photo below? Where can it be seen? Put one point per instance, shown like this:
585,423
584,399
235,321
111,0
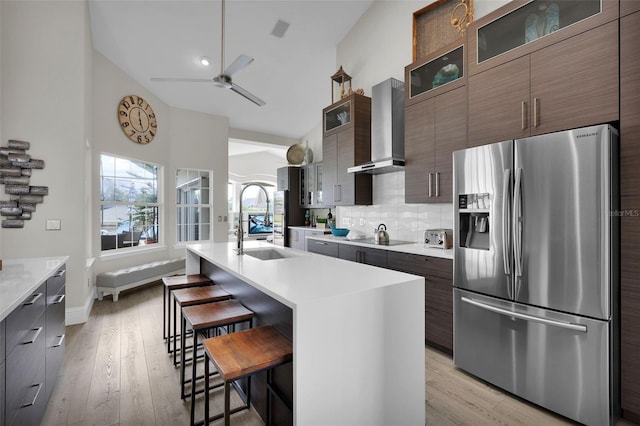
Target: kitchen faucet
266,219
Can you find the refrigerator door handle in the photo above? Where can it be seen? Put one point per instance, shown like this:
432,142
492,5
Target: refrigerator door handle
517,222
526,317
506,215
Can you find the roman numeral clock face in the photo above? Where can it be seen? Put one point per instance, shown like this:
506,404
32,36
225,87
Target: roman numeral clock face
137,119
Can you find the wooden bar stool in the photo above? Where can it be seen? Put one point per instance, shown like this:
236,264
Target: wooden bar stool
243,354
203,318
174,283
193,296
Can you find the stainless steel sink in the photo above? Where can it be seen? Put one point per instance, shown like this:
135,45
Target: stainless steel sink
267,253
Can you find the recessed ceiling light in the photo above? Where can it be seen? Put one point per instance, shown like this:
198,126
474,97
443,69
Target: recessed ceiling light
205,61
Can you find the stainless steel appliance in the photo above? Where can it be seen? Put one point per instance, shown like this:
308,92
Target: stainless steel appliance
535,269
286,211
387,129
438,238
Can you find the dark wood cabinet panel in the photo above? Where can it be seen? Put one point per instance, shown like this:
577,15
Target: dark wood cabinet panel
499,103
630,308
438,274
450,136
369,256
629,6
630,103
434,128
566,85
346,146
419,149
574,83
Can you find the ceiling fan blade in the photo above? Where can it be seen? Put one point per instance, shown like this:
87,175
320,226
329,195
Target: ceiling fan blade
182,80
237,65
253,98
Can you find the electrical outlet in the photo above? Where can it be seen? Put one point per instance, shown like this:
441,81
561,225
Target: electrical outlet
53,225
361,222
346,221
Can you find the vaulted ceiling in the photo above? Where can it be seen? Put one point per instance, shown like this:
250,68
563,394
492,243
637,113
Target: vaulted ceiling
165,38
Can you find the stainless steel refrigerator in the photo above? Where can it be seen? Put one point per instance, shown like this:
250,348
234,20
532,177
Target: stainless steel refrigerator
287,211
536,269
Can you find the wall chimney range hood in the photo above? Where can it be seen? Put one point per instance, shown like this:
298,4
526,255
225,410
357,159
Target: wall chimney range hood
387,129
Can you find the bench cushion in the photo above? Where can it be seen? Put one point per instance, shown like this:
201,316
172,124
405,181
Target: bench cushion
137,273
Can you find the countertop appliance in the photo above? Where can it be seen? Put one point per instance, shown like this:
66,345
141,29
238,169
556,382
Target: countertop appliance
286,211
387,129
438,238
536,269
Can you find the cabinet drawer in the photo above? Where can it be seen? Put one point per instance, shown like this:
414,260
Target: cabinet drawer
2,391
24,364
323,247
374,257
438,328
420,265
20,321
55,317
438,294
33,403
57,280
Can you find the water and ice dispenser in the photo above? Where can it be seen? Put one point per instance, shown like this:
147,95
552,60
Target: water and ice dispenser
474,231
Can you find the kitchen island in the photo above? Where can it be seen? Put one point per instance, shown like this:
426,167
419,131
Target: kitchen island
357,330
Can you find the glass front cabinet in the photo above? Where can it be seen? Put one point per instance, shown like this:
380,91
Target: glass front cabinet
311,185
521,27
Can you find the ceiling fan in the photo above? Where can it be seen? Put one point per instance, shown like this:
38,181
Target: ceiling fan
223,79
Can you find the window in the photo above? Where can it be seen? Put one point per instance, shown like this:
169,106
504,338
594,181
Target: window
129,210
194,208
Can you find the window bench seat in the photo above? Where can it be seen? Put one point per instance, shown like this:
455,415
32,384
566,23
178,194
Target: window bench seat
113,282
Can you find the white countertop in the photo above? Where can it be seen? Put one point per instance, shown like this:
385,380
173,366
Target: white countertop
358,333
301,278
310,228
412,248
21,277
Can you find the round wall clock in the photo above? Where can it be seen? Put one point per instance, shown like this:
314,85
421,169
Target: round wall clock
137,119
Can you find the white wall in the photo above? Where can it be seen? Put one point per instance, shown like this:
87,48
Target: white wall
45,95
378,47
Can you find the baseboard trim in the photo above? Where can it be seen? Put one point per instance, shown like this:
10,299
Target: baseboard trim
80,314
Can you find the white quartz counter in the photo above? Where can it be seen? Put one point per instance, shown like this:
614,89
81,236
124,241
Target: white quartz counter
412,248
21,277
358,333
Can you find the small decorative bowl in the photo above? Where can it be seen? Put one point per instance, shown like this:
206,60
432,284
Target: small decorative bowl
340,232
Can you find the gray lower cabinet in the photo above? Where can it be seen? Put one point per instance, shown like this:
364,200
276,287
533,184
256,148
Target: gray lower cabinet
369,256
34,351
326,248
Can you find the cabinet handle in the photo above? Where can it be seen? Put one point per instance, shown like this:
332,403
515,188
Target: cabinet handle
321,243
35,397
58,300
523,119
57,345
35,297
437,184
61,273
339,192
430,184
535,112
35,336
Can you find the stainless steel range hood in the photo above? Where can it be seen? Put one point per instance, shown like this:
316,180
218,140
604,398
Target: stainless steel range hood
387,129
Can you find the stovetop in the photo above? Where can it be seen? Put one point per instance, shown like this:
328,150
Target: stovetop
373,242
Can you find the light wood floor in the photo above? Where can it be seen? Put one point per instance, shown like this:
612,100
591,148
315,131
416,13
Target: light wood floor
117,372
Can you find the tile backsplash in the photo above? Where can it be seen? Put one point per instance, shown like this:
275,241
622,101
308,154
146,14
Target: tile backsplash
403,221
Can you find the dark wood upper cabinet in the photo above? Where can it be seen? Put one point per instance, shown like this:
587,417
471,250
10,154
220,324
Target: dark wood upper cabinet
346,142
630,223
570,84
630,104
629,6
507,33
434,128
